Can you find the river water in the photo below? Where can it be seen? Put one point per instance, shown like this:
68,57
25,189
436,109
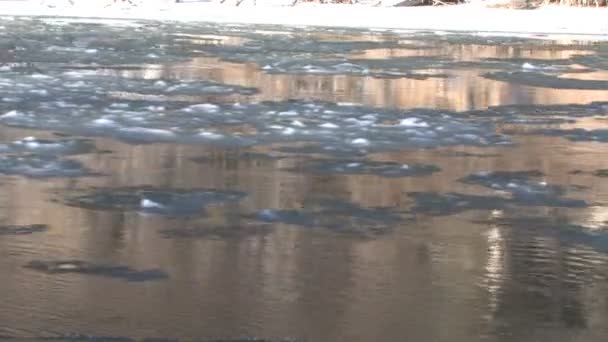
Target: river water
166,181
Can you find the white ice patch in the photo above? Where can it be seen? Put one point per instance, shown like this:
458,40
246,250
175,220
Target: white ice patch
360,142
150,131
146,203
11,114
104,122
329,125
529,66
288,113
205,107
298,123
41,92
413,122
210,135
288,131
40,76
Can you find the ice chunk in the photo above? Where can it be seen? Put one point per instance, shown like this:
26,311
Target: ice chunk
329,125
413,122
360,142
146,203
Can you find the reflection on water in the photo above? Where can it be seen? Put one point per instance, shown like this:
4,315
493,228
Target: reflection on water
360,218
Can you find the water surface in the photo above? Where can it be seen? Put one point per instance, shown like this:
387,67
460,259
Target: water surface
203,182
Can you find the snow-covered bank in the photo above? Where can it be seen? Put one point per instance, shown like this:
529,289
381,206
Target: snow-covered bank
553,20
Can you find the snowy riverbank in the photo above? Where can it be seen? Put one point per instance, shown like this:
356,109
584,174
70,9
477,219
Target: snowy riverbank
552,20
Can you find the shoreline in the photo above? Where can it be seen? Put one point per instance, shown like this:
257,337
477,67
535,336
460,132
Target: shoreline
555,21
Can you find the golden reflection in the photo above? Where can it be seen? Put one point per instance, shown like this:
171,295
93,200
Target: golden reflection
464,89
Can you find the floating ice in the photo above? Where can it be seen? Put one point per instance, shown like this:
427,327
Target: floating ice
525,188
360,142
86,268
48,147
413,122
535,79
578,134
23,229
329,125
168,202
42,167
434,203
236,231
336,216
364,167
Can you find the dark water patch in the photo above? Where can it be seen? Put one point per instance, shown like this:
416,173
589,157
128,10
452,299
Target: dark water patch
84,338
596,173
398,67
23,229
96,338
577,134
237,156
524,187
341,151
601,173
366,167
434,203
463,154
168,202
535,79
528,111
598,61
528,64
82,267
234,231
33,166
567,232
336,216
